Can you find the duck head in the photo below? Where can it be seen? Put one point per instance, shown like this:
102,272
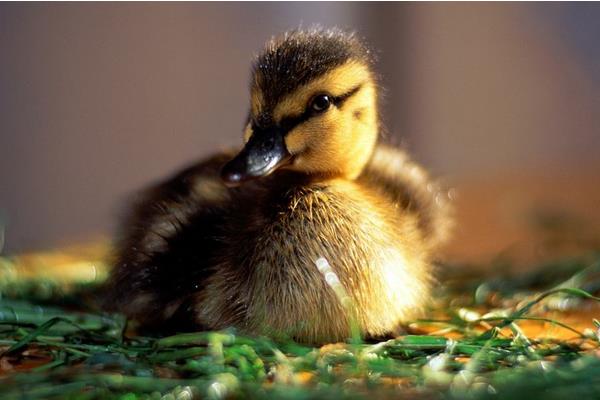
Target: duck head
313,108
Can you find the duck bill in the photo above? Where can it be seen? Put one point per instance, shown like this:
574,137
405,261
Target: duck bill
263,154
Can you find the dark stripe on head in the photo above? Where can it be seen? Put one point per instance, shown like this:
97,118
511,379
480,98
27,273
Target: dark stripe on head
289,123
341,99
297,57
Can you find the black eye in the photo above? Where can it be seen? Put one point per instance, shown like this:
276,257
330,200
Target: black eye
320,103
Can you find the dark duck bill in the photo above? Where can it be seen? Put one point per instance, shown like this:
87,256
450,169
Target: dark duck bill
263,154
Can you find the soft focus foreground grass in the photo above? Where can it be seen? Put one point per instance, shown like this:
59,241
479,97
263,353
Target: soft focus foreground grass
531,335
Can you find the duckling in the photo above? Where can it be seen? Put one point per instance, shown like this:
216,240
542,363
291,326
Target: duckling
241,239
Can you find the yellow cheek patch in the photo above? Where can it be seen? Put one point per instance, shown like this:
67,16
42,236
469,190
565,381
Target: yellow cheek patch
340,140
296,141
336,82
312,133
362,107
336,124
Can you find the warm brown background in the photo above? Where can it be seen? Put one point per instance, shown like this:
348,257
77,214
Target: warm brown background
96,100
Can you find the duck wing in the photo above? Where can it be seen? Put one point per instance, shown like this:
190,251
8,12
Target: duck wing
408,186
167,243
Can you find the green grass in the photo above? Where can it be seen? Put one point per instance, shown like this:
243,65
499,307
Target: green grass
53,345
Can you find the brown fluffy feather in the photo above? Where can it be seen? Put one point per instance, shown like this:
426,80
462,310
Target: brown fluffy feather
196,254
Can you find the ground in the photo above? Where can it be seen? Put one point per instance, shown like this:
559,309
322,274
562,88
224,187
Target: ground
500,336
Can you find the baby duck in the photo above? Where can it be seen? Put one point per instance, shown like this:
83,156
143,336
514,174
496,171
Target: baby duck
243,240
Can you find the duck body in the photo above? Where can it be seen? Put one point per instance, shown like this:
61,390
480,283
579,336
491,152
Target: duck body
200,253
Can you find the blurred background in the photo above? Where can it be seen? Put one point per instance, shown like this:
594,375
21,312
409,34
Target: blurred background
500,100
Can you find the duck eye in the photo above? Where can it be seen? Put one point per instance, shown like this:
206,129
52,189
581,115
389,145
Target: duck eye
320,103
